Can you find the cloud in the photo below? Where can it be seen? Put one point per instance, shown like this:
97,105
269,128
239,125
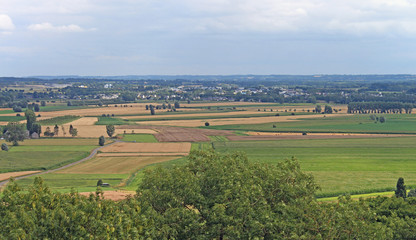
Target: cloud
6,23
49,27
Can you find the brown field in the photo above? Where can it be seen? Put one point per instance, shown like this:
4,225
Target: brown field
223,104
197,115
85,121
124,147
112,195
5,176
115,165
229,121
285,136
178,134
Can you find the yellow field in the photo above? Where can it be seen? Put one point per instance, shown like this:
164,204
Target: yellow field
124,147
228,121
242,113
5,176
115,165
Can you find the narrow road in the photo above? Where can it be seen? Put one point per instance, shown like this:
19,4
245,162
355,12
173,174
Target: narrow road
63,167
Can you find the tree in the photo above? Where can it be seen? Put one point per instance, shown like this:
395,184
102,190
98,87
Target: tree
222,197
110,130
328,109
73,132
36,108
63,130
56,130
382,119
99,182
4,147
318,108
177,105
48,132
206,124
101,141
30,120
152,110
36,128
43,103
15,133
400,188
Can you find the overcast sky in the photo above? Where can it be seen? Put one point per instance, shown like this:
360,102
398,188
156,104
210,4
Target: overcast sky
123,37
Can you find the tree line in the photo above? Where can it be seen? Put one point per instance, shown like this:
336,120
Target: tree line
380,107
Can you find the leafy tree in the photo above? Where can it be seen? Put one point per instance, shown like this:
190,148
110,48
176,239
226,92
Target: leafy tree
30,120
318,108
36,108
73,132
206,124
400,188
48,132
110,130
101,141
15,133
99,183
4,147
382,119
56,130
328,109
36,128
43,103
63,130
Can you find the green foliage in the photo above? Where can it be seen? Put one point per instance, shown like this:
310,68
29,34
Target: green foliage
38,213
110,130
139,138
59,120
99,182
15,133
328,109
101,141
4,147
30,120
400,188
226,197
73,131
318,108
206,124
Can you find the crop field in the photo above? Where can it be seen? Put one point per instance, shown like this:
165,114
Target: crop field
395,123
115,165
58,120
5,176
340,165
124,147
139,138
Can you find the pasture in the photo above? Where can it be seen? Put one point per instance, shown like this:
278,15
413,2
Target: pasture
340,165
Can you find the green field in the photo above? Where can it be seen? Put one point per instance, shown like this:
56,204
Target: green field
12,118
58,120
139,138
43,154
63,182
112,121
395,123
340,165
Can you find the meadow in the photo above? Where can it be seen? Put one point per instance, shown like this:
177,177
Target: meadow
340,165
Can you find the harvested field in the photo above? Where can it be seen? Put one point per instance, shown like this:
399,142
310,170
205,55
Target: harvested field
197,115
231,121
120,130
325,134
5,176
115,165
123,147
224,104
85,121
178,134
112,195
140,154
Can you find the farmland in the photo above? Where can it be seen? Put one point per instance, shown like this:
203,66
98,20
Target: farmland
346,153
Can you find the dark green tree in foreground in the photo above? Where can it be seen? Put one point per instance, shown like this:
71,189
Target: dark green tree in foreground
217,196
101,141
400,188
110,130
15,133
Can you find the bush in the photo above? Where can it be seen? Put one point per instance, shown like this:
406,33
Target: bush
99,182
304,133
101,141
4,147
382,119
206,124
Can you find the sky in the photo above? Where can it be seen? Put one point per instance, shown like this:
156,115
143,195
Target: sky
207,37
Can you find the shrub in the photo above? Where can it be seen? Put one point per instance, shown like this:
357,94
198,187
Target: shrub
304,133
101,141
4,147
99,182
206,124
